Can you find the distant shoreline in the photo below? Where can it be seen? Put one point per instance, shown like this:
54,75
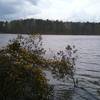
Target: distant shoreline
49,27
54,34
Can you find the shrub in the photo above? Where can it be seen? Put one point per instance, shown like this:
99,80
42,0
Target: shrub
21,76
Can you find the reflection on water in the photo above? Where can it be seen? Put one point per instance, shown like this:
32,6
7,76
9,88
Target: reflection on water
61,93
87,66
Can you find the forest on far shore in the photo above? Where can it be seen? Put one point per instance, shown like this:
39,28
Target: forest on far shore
28,26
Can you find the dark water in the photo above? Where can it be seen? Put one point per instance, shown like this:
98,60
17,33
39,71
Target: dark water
87,66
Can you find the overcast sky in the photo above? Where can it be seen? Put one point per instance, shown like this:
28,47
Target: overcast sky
66,10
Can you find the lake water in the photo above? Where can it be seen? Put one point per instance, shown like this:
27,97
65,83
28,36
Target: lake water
87,65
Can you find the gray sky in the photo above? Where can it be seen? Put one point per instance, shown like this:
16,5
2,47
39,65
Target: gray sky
66,10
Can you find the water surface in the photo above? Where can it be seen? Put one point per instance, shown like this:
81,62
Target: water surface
87,66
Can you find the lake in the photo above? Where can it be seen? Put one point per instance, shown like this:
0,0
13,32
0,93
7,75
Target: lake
87,65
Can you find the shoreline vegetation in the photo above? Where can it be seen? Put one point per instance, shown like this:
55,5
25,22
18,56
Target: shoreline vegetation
52,34
22,65
49,27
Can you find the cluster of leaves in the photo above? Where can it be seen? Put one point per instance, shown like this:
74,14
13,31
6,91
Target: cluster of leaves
63,65
21,75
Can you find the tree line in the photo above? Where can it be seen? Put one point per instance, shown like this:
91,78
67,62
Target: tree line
28,26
